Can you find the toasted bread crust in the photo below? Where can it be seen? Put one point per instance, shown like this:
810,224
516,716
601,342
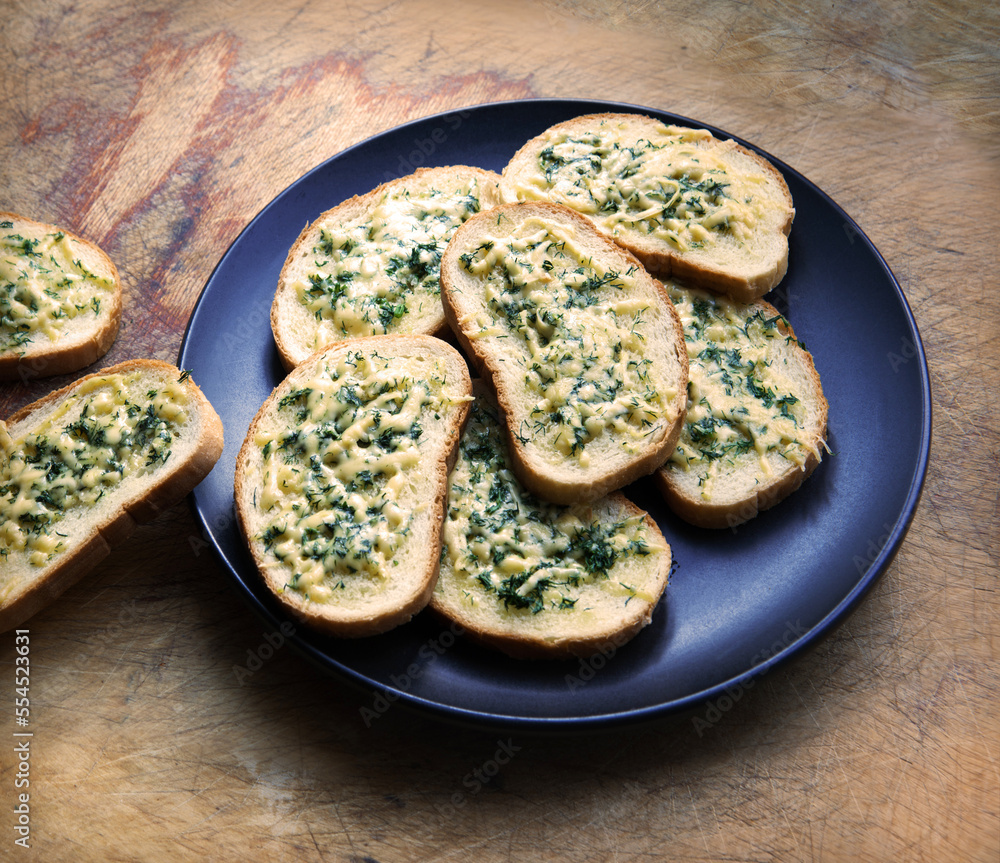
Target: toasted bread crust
744,279
760,492
414,584
735,513
77,349
293,326
171,483
565,483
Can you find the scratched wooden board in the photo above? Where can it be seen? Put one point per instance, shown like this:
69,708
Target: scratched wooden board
165,720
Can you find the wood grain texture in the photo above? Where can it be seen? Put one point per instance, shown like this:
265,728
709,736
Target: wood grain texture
160,129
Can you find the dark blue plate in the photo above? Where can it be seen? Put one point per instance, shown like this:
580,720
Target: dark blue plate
740,601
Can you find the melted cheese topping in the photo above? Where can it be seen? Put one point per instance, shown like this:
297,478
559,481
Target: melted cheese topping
741,396
43,284
364,276
508,547
667,184
580,327
102,434
338,491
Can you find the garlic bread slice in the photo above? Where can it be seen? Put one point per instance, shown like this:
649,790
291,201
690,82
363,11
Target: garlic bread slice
580,344
687,204
80,468
340,483
756,417
535,579
371,265
60,300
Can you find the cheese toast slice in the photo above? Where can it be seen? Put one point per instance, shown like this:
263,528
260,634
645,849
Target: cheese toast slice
580,344
756,417
60,300
371,265
685,203
540,580
80,468
340,483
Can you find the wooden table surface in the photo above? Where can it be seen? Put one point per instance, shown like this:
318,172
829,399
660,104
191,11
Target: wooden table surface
159,129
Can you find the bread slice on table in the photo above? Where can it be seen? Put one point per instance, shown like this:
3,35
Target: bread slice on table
341,482
580,344
80,468
371,265
538,580
685,203
756,415
60,300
